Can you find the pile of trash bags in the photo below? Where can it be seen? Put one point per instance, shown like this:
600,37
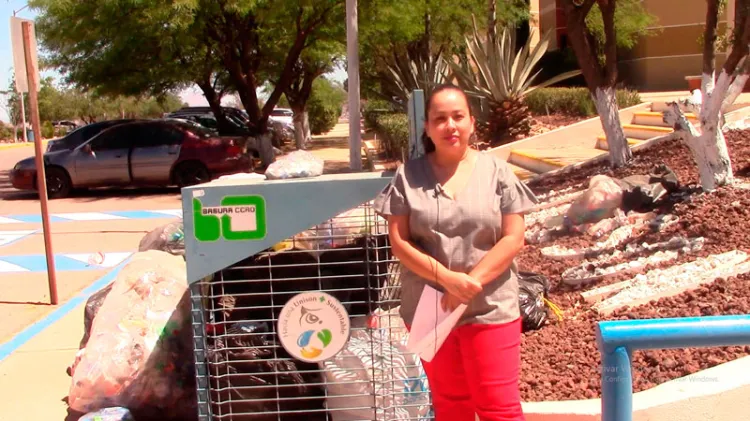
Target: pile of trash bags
135,359
607,197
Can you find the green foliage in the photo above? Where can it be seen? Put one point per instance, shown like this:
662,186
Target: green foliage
497,76
6,133
631,23
324,105
397,35
573,101
48,130
373,108
66,103
121,47
391,125
393,129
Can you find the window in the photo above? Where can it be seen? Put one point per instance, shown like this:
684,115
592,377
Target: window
118,137
154,135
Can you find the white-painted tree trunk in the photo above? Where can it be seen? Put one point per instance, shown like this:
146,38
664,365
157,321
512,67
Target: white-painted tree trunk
605,101
734,91
306,126
301,128
264,143
708,147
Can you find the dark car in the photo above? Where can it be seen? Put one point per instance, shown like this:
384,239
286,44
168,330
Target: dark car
78,136
141,153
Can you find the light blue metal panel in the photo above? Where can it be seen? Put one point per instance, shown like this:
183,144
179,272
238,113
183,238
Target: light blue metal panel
675,332
416,123
617,339
617,385
228,221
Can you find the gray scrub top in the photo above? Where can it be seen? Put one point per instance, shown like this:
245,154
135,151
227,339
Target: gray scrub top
458,233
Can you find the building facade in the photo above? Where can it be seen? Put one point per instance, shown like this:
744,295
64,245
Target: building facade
661,61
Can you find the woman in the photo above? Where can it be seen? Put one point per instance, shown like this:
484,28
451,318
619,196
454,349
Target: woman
456,224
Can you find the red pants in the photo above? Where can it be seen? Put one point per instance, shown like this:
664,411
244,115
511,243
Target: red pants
476,371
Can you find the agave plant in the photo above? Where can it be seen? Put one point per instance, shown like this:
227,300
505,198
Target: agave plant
416,70
500,78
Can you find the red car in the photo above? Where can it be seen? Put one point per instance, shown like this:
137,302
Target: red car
141,153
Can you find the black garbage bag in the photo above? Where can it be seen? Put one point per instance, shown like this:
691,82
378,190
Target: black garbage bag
644,190
253,378
533,288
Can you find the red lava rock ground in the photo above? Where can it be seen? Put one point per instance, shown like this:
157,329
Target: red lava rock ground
561,361
543,123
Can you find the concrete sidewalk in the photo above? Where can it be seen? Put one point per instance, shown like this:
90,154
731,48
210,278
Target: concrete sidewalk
33,381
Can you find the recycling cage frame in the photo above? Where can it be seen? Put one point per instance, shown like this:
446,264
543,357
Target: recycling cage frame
617,339
384,381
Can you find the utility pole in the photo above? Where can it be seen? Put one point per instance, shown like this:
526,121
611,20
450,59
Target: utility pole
352,64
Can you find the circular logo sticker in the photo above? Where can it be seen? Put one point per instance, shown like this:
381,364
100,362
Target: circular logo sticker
313,326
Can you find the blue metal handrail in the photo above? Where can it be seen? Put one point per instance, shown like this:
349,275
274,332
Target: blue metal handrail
617,339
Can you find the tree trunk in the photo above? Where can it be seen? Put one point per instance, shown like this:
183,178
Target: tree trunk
306,127
606,106
301,127
214,102
708,147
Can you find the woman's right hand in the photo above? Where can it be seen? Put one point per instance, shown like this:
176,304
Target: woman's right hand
462,286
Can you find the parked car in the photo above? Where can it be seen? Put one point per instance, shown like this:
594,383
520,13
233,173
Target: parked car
141,153
238,121
80,135
283,115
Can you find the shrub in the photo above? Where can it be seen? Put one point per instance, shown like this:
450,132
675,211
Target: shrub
573,101
48,130
6,133
372,109
324,105
394,128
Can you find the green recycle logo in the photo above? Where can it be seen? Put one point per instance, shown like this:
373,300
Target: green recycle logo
238,218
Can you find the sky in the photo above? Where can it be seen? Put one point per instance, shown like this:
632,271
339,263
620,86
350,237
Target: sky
192,96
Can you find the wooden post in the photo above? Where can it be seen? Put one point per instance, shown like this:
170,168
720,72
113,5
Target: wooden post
36,125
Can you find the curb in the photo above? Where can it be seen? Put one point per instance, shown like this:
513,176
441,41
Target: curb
4,146
8,348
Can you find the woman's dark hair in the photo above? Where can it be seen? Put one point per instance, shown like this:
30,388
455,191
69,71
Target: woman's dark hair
427,143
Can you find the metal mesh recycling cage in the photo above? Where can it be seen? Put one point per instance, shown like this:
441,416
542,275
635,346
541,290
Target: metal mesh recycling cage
294,303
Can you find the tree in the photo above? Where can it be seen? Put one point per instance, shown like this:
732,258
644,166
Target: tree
600,75
247,33
593,27
298,94
322,57
81,42
707,145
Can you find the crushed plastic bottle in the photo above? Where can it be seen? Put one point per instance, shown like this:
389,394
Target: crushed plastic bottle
109,414
96,259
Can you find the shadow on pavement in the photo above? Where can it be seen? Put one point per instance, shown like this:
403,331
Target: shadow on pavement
9,193
38,303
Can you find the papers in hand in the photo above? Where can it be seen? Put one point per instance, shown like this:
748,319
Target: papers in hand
431,324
